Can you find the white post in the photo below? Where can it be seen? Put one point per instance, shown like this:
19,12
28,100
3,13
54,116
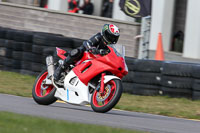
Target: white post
192,31
162,21
59,5
97,7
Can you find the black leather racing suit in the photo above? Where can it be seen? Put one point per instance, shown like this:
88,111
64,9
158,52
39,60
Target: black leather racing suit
94,45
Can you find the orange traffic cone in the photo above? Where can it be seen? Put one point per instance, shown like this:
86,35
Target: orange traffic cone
159,51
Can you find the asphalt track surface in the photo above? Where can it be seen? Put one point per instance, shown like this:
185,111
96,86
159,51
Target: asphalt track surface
84,114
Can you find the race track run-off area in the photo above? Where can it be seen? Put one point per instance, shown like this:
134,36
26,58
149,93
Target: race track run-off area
84,114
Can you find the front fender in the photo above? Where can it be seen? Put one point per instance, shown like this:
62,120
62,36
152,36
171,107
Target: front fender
107,78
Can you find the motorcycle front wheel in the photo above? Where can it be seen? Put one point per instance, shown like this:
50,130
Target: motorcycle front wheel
43,94
103,102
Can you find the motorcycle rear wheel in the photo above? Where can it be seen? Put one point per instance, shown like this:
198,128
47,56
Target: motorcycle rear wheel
43,97
104,102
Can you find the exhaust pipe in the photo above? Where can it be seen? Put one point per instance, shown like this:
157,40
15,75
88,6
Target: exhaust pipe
50,69
50,65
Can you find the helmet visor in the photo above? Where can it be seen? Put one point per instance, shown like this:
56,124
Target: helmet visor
112,38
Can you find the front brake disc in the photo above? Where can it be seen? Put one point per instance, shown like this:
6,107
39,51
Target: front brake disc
107,91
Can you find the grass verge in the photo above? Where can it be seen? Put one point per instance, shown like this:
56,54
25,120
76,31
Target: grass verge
21,85
161,105
15,123
16,84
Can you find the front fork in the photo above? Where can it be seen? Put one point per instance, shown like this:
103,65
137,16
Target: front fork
104,79
102,83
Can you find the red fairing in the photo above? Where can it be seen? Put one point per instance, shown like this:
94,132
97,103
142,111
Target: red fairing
98,64
60,53
87,56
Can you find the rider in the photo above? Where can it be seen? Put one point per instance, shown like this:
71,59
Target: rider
96,45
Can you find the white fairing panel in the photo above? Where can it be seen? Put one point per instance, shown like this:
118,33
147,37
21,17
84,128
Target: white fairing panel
107,78
75,91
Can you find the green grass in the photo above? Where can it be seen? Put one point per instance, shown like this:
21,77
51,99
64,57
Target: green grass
15,123
21,85
16,84
161,105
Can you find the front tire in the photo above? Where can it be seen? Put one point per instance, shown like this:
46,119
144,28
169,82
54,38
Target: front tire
104,102
43,97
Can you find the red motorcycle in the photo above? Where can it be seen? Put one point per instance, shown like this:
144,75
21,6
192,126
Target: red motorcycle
95,80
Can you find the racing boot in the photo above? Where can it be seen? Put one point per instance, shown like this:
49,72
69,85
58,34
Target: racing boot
58,72
61,68
74,55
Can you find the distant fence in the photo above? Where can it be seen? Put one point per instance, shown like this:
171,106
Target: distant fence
25,52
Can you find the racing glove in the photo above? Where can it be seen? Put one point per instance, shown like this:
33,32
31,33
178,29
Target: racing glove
93,50
103,52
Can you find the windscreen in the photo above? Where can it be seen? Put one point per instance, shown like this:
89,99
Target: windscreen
118,49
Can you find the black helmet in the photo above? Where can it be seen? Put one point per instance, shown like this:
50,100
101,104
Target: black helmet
110,33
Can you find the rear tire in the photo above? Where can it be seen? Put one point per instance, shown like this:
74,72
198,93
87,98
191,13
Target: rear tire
111,100
41,97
